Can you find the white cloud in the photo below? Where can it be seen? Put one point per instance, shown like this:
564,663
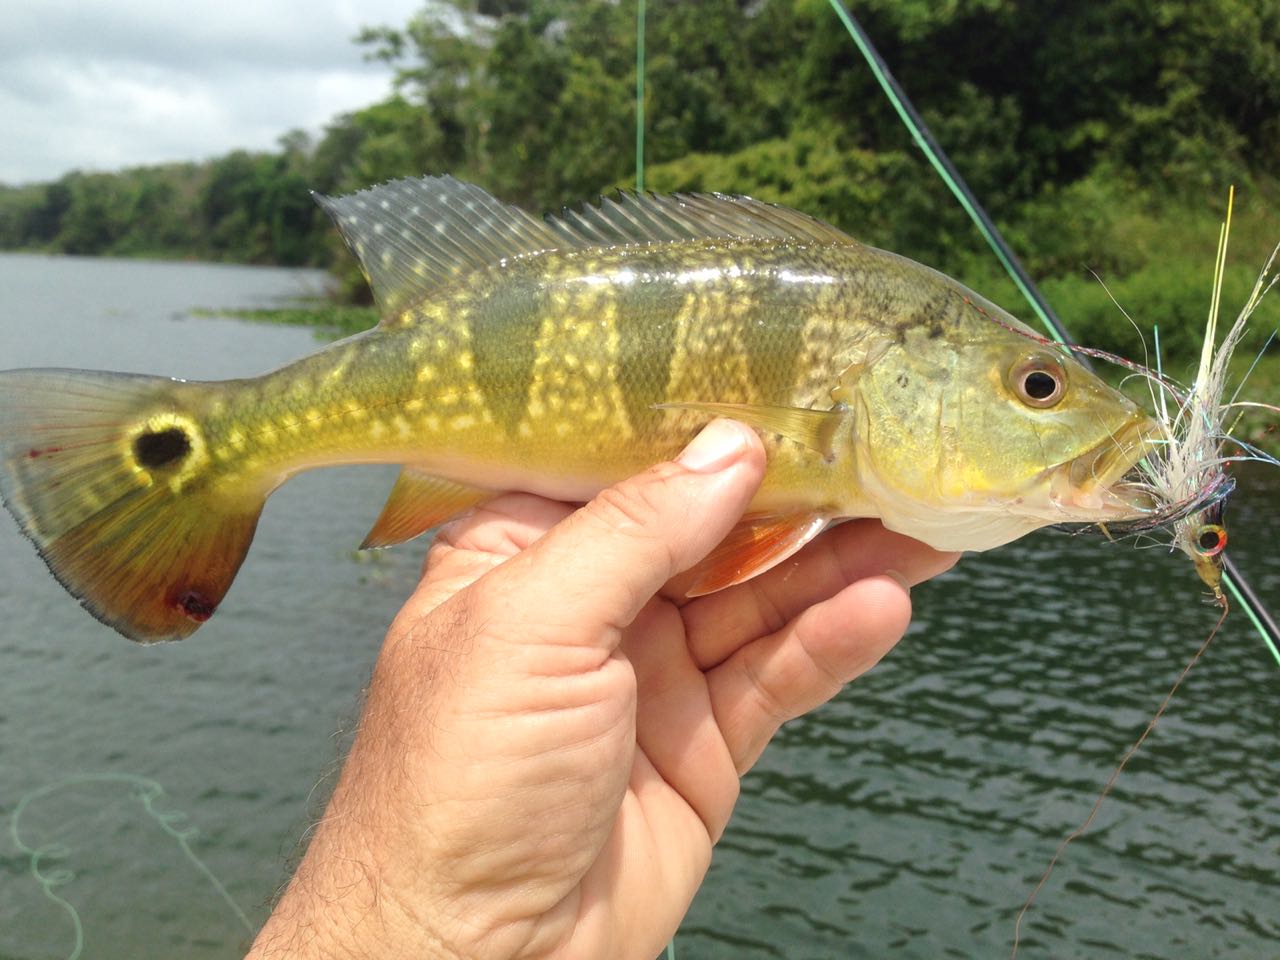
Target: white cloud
112,83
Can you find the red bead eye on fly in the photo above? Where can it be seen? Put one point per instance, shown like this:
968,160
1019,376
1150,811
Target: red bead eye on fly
1210,540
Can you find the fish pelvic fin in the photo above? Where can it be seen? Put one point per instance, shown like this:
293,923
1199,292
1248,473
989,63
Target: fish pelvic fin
755,545
107,474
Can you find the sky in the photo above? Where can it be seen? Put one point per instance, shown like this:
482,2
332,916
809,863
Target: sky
105,84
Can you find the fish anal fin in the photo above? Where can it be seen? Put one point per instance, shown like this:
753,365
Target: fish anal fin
751,548
815,429
418,502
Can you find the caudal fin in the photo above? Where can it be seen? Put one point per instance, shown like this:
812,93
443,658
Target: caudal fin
109,476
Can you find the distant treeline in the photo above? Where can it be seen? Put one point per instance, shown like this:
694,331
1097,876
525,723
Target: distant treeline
1094,132
251,208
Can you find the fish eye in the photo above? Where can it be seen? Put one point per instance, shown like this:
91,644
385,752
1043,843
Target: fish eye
1210,540
1038,381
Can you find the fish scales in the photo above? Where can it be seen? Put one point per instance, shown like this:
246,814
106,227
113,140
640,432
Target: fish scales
560,356
557,358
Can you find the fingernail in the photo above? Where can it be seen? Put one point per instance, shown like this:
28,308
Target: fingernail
719,444
898,578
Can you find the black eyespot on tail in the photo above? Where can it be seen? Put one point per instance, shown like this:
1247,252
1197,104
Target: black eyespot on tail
161,448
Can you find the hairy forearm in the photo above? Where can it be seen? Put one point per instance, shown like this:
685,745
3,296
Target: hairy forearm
338,903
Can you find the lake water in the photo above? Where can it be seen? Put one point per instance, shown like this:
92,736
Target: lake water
909,818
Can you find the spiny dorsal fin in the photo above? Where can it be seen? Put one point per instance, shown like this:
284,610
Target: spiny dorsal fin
413,237
649,218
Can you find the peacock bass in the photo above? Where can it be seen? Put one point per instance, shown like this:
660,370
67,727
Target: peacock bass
558,356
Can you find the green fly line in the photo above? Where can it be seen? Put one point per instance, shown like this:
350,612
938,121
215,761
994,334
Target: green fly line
950,176
1234,580
147,792
640,96
670,953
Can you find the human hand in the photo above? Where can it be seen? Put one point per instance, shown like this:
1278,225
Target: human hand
553,739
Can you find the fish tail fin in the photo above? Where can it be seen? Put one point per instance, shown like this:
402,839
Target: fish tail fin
109,475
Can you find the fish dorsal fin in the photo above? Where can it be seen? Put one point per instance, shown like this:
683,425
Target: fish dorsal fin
418,502
649,218
413,237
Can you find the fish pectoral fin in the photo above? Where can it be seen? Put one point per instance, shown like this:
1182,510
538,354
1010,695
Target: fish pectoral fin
751,548
418,502
815,429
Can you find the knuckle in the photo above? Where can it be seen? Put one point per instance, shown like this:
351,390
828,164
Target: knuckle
767,700
640,509
947,561
440,549
630,506
828,673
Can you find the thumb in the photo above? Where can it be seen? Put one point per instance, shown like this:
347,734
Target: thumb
591,574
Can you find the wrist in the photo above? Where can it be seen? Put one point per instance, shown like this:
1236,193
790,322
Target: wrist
338,907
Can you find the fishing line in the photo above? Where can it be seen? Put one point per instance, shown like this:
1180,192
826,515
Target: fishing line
1111,782
937,157
147,792
670,953
640,96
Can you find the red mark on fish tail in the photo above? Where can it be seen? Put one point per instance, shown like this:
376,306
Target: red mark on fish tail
36,453
195,605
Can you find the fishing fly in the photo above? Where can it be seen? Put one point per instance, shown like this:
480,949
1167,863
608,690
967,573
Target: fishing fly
1186,471
1185,475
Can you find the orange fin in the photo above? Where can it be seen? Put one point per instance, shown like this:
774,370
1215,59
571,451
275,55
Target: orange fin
106,474
752,547
418,502
815,429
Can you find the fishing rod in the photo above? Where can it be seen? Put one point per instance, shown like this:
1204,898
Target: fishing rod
1235,581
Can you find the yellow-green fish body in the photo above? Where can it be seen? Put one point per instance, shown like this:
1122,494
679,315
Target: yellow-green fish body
557,357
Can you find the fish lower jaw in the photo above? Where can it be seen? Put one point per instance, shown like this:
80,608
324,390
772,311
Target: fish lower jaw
1091,487
1070,503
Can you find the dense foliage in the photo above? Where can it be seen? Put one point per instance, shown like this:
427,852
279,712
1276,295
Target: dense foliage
1101,136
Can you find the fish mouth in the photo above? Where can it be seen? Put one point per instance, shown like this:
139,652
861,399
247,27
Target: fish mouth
1092,487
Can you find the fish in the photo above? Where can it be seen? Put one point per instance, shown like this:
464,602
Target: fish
558,356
